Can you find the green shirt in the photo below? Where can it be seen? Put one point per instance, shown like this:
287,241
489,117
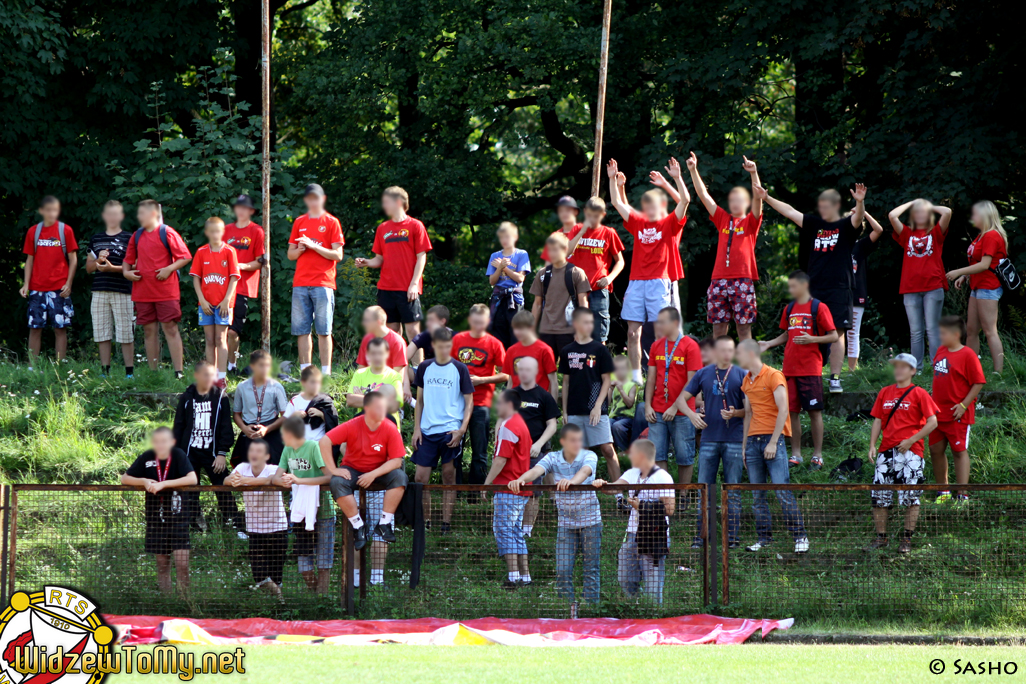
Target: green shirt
365,380
618,409
306,461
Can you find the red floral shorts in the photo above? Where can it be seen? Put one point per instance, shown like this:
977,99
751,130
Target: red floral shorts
731,300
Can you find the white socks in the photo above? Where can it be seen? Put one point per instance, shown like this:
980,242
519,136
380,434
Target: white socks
231,366
377,576
636,376
356,521
526,579
386,518
514,576
221,375
527,530
304,365
326,370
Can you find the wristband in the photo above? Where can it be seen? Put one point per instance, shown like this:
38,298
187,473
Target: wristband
964,407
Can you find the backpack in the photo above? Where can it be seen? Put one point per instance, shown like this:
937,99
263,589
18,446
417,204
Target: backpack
814,310
568,280
162,231
60,236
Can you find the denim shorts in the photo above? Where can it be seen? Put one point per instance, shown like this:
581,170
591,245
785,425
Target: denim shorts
312,307
214,318
644,299
992,295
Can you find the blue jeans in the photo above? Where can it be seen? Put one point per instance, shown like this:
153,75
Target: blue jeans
598,302
626,430
571,542
924,313
710,455
312,306
683,435
507,523
640,571
778,472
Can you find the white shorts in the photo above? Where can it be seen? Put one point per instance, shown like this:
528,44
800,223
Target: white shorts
644,299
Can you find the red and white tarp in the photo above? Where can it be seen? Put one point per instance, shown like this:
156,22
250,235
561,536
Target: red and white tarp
688,629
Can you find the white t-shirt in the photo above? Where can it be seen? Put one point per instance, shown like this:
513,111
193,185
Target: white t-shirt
265,511
633,476
297,404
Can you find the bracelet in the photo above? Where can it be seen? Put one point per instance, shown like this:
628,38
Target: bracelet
964,407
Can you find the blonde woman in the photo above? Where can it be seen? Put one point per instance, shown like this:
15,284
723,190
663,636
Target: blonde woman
922,272
985,253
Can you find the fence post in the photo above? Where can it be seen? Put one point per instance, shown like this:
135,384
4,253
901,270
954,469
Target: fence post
712,501
348,559
13,547
6,515
724,523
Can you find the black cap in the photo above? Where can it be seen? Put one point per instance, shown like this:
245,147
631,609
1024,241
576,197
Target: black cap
567,201
244,201
313,189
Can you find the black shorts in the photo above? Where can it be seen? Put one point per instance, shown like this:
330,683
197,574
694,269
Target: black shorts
805,392
239,314
341,486
398,308
435,449
164,537
840,303
556,342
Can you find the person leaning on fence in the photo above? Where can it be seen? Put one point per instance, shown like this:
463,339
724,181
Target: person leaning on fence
303,468
51,257
540,413
765,427
903,415
641,561
579,531
160,470
257,408
267,524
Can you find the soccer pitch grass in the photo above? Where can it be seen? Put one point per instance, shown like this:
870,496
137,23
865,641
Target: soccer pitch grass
762,662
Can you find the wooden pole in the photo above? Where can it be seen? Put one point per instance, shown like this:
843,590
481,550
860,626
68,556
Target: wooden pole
600,104
265,180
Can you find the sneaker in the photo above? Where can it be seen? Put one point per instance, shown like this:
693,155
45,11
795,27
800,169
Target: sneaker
386,532
758,546
835,386
179,375
817,463
242,535
129,376
360,537
734,545
801,545
942,497
796,460
697,544
906,545
961,500
510,585
878,542
445,529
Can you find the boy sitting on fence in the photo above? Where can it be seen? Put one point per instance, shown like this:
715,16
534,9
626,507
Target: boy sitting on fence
160,470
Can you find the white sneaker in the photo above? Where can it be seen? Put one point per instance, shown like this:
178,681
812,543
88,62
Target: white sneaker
757,546
835,386
801,545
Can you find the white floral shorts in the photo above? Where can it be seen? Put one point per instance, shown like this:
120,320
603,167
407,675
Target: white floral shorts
897,467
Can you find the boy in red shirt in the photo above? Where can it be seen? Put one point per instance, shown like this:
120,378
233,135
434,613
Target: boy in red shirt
400,249
655,264
247,238
597,250
316,247
528,345
375,325
957,381
155,254
904,414
215,276
511,460
807,323
51,258
483,356
731,294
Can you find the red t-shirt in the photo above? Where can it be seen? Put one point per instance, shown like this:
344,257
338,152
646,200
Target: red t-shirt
367,449
954,373
513,443
686,358
313,270
249,246
922,269
988,244
396,349
595,253
482,356
804,359
656,247
909,419
148,257
50,266
540,351
214,269
742,246
399,244
569,236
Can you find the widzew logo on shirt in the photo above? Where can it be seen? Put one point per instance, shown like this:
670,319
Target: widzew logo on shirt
889,404
826,240
921,246
377,447
214,278
471,356
941,367
578,360
799,321
650,236
592,245
397,236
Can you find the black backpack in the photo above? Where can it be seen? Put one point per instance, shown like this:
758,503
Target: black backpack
814,311
162,232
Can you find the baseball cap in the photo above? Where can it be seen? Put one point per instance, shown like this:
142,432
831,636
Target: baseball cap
906,358
567,201
313,189
243,201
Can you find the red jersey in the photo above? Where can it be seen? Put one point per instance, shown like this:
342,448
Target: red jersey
148,257
513,443
215,269
569,236
540,351
922,269
399,244
249,246
656,247
483,356
367,449
685,358
735,255
909,419
50,266
954,373
987,244
804,359
396,349
595,253
313,270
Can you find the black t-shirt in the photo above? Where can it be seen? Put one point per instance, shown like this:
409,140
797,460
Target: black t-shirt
165,507
583,366
115,246
422,341
863,248
536,407
204,408
829,246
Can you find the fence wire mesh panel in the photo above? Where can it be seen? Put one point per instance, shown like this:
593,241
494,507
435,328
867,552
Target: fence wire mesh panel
963,561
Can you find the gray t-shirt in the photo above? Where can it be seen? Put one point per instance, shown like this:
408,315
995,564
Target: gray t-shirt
271,397
576,509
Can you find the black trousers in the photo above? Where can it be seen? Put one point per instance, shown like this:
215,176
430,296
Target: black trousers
203,462
267,551
501,326
240,454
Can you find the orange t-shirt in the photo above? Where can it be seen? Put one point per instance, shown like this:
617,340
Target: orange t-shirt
759,391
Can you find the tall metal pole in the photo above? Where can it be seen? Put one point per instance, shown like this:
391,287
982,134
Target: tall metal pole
265,180
600,105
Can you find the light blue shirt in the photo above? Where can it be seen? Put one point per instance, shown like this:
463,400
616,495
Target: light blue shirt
576,509
520,262
443,402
